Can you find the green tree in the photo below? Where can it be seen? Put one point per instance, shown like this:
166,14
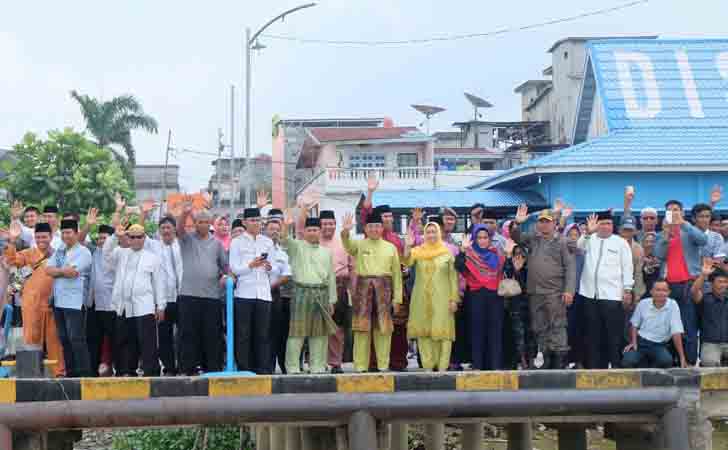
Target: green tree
112,122
67,170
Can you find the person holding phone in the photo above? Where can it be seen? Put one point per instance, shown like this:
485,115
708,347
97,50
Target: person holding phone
679,248
250,263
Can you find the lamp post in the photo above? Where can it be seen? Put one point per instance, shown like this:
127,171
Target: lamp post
251,43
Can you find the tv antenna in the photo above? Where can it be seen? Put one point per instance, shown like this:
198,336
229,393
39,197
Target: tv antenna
477,103
428,112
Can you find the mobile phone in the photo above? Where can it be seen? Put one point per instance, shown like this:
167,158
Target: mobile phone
630,189
264,256
668,217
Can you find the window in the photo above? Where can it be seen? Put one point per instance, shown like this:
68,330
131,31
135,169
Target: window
566,55
366,160
407,160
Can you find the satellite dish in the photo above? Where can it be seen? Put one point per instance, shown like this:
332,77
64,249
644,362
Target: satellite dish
428,112
477,102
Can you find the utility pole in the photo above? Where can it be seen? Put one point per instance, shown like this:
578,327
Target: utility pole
218,167
163,203
234,186
247,116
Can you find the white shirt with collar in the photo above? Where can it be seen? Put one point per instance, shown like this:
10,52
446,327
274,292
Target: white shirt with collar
280,266
138,286
608,267
172,270
251,283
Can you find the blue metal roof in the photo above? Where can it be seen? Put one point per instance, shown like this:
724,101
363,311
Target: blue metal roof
457,199
666,104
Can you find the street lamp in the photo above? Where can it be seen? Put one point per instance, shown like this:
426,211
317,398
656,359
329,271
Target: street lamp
251,43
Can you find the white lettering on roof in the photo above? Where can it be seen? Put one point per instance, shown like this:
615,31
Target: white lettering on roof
691,90
624,62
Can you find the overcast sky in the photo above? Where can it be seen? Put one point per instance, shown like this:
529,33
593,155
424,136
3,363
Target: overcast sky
180,58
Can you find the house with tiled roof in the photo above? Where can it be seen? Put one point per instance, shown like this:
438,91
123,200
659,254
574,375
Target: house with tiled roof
652,114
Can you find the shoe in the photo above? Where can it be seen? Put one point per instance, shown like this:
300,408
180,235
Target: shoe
547,361
337,370
559,360
104,370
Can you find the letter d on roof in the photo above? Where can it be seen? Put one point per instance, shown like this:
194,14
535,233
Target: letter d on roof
633,108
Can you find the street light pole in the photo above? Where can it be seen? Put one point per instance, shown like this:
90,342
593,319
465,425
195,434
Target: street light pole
250,41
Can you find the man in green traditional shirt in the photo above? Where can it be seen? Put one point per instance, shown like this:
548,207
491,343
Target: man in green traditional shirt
314,295
378,286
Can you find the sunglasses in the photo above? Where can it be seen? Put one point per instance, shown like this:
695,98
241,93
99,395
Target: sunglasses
136,236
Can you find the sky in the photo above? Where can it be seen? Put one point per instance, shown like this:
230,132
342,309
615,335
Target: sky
179,58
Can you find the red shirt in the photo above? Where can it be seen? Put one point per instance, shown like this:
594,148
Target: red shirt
677,268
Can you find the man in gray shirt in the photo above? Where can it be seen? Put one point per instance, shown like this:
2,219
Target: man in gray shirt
199,307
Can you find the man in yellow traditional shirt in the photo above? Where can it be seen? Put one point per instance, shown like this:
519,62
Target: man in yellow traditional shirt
378,287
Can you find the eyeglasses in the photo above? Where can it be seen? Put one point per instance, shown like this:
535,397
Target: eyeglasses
649,218
136,236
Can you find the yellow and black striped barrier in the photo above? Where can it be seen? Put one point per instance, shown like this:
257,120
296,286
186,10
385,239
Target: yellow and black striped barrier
36,390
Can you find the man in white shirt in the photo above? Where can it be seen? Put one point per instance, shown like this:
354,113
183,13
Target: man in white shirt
170,256
138,299
99,311
281,291
250,262
606,284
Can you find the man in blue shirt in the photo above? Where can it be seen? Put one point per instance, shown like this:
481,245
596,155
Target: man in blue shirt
70,266
655,321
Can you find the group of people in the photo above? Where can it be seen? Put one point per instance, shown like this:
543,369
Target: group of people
589,294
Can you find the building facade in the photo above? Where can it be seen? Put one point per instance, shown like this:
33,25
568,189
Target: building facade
151,182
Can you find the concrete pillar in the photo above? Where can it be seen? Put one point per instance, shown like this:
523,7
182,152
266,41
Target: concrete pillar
399,438
383,435
307,441
572,437
277,437
675,429
342,443
262,437
29,362
472,436
520,436
30,440
362,431
293,438
435,436
6,437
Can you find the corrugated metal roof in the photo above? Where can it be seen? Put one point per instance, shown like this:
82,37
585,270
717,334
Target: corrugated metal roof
457,199
363,134
666,108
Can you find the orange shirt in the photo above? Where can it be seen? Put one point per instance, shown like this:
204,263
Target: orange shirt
38,288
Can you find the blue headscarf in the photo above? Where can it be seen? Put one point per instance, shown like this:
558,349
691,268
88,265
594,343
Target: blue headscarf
487,255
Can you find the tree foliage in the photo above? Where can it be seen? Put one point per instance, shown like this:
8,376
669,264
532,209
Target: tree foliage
112,122
67,170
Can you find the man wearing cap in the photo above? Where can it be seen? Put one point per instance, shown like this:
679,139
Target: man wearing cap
138,300
606,284
100,313
551,284
315,295
399,344
39,324
628,231
50,216
250,262
378,287
169,253
199,306
237,228
70,266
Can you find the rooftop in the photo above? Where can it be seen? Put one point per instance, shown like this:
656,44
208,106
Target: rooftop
595,38
496,198
364,134
530,83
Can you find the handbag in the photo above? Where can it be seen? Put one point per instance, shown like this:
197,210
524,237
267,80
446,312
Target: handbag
509,287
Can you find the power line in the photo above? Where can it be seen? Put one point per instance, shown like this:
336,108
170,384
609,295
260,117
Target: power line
457,37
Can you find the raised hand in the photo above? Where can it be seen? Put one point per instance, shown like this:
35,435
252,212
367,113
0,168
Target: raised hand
522,213
120,202
372,182
261,199
558,206
467,243
409,240
288,219
348,224
16,210
629,194
148,206
92,217
592,224
518,262
121,228
510,245
187,207
708,267
14,231
567,212
716,194
677,218
417,216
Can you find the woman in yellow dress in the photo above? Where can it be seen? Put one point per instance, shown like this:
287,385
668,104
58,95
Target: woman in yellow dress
435,298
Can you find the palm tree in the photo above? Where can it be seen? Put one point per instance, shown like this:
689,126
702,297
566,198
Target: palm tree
112,122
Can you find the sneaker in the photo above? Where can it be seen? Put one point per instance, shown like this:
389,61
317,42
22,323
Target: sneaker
337,370
104,370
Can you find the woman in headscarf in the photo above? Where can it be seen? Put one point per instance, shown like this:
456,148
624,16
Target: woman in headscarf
575,312
435,298
517,340
222,232
481,264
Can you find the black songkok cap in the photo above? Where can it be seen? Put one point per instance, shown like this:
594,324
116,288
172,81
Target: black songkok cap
68,224
237,223
106,229
50,209
313,222
327,214
604,215
43,227
374,217
251,213
383,209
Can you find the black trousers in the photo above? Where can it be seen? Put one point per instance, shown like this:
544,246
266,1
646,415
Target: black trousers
200,334
462,348
72,334
136,338
99,325
167,345
486,329
280,319
604,333
252,335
